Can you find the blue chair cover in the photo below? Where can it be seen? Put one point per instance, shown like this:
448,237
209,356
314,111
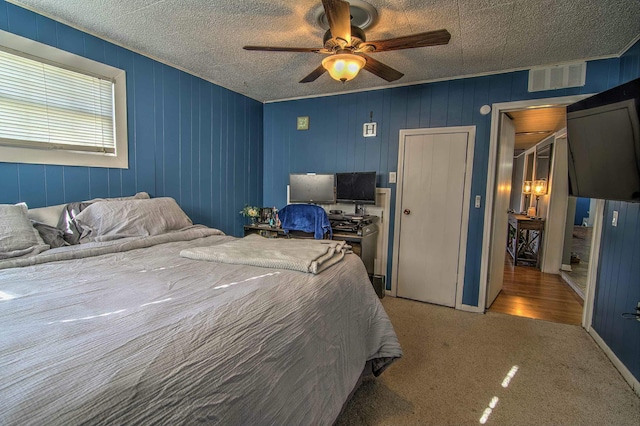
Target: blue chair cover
307,218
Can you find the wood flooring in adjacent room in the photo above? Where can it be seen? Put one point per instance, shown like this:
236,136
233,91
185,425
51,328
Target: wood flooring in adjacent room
527,292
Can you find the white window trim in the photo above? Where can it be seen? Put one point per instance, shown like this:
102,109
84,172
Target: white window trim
120,159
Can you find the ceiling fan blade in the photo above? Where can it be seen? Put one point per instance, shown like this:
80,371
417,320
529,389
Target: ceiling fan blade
314,75
339,17
284,49
430,38
381,70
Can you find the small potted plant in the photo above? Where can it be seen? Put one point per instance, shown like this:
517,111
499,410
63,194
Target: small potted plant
251,212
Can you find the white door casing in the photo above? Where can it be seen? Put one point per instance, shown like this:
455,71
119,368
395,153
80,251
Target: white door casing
496,110
434,183
501,200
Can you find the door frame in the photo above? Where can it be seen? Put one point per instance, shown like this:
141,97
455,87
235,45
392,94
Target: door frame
462,247
496,110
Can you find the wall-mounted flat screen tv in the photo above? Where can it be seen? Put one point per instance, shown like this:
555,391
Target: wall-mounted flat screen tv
356,187
312,188
603,136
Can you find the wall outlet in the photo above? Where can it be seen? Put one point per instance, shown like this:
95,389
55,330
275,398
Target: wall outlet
638,312
477,204
392,177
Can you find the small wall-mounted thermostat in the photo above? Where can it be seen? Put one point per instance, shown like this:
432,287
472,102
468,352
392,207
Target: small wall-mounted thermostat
369,129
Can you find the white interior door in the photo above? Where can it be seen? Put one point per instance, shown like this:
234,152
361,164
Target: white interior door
501,200
431,220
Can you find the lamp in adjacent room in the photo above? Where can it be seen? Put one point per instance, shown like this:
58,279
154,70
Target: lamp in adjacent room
539,188
527,187
343,66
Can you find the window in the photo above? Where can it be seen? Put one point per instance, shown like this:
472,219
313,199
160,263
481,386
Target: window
60,108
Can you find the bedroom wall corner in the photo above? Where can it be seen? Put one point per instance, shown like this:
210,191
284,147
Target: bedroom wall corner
188,138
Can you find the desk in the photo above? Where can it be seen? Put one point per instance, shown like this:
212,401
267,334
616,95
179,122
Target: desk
524,239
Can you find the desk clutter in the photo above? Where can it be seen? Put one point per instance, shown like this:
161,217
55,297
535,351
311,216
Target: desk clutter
312,221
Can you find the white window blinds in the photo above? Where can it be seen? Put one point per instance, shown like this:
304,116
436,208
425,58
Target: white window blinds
49,107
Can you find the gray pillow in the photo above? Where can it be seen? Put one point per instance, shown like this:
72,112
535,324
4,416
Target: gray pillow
108,220
51,235
71,232
17,236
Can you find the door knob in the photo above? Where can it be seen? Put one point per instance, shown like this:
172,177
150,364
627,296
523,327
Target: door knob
406,211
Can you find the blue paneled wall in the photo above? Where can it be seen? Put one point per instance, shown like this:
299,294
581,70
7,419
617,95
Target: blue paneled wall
618,288
188,139
334,141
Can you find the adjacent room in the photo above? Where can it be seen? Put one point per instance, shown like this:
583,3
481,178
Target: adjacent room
357,212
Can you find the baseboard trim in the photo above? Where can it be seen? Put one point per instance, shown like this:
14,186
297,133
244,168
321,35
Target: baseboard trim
567,279
469,308
624,371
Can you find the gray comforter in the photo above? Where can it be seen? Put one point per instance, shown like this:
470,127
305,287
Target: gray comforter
136,334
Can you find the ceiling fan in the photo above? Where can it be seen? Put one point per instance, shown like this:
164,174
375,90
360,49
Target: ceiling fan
348,49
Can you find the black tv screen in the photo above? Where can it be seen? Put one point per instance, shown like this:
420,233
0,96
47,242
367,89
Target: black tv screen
312,188
356,187
603,136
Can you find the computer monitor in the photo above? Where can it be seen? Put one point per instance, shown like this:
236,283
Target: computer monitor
357,188
312,188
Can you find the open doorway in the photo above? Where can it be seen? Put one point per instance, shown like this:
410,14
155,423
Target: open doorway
578,243
526,278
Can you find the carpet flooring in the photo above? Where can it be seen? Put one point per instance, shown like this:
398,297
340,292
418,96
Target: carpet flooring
462,368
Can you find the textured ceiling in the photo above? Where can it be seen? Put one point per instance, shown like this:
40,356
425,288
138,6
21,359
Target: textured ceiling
205,37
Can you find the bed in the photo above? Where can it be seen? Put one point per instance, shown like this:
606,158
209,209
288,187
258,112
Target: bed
122,329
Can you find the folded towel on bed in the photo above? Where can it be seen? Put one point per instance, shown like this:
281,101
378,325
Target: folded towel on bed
303,255
306,218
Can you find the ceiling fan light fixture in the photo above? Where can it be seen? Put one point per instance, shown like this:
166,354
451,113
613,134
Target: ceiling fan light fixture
343,66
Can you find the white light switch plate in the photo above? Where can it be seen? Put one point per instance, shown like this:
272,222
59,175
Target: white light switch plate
392,177
614,221
478,198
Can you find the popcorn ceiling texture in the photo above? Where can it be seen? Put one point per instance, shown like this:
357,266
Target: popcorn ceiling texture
205,37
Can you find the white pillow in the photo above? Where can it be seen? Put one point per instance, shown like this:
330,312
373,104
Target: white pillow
47,215
17,236
108,220
137,196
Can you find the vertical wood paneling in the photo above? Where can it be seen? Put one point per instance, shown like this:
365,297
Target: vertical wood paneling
188,139
158,130
32,184
21,21
618,288
184,153
76,184
128,176
204,160
171,133
70,39
54,181
216,158
4,19
47,32
99,182
341,146
630,64
144,124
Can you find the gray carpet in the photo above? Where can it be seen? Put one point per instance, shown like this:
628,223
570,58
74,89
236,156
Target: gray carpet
455,363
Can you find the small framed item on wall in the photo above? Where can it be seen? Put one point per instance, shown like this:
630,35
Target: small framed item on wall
303,123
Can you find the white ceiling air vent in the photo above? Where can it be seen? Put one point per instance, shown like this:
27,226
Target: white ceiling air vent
557,77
